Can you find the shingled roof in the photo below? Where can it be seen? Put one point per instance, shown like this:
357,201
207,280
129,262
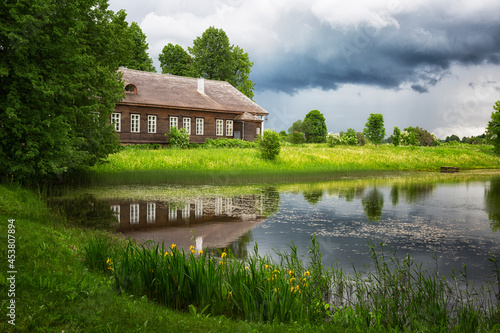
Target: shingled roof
172,91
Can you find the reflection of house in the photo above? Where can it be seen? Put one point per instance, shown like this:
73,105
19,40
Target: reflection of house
155,103
215,222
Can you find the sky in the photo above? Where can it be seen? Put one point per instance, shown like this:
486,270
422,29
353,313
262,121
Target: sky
433,64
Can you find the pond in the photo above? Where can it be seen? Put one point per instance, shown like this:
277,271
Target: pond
442,221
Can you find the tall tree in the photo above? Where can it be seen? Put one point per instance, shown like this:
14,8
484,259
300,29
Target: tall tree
493,129
59,84
374,128
176,61
314,127
139,58
215,58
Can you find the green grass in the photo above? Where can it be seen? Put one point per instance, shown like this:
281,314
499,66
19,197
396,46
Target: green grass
233,165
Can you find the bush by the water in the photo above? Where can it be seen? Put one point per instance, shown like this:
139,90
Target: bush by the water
269,143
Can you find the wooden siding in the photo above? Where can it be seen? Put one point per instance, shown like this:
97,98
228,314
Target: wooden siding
163,124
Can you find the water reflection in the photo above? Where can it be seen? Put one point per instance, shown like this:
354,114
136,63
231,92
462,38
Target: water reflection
373,203
492,203
457,219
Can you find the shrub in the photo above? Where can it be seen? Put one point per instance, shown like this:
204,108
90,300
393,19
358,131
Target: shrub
228,143
374,128
349,138
178,138
361,138
269,143
333,139
297,137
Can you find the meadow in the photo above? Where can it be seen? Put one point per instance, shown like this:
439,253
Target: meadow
295,162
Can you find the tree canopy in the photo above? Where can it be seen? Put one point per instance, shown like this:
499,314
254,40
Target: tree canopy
138,57
59,81
212,57
314,127
374,128
493,129
176,61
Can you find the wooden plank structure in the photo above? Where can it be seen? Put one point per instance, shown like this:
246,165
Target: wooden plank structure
450,169
206,108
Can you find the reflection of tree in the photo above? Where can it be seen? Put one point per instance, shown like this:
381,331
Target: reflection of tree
314,196
415,192
395,195
271,201
351,193
86,211
373,202
239,248
492,203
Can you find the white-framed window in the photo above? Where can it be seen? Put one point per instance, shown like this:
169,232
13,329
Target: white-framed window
172,213
151,213
135,120
186,122
186,211
174,122
229,128
219,127
116,120
258,131
151,124
134,213
200,122
198,208
116,211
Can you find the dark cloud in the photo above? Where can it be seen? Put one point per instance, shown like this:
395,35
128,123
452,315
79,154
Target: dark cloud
419,52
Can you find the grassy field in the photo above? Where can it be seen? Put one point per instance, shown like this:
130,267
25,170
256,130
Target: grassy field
64,283
229,166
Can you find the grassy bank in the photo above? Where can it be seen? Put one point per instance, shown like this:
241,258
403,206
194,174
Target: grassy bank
59,286
55,291
229,166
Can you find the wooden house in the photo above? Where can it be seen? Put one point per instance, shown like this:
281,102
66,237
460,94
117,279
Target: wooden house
154,103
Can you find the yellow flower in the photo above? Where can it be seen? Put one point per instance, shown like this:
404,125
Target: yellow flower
266,267
173,246
230,295
191,248
246,267
292,279
297,287
223,255
200,252
307,273
276,271
290,272
291,289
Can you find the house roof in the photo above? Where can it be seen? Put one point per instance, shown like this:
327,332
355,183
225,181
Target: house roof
164,90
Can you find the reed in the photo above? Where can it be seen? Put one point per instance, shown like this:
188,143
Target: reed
396,294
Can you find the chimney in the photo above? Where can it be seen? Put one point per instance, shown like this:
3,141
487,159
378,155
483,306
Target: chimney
201,85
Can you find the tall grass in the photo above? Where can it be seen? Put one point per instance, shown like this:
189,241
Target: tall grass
231,165
395,295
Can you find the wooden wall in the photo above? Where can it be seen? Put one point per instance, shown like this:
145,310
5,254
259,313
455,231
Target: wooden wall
163,124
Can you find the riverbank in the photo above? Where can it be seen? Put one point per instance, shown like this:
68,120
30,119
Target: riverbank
304,162
56,290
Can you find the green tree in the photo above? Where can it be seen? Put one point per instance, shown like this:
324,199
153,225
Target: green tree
453,137
176,61
59,83
349,137
396,136
493,129
139,57
269,143
314,127
216,59
296,127
374,128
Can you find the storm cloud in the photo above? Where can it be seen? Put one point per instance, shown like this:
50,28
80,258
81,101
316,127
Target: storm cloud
415,58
